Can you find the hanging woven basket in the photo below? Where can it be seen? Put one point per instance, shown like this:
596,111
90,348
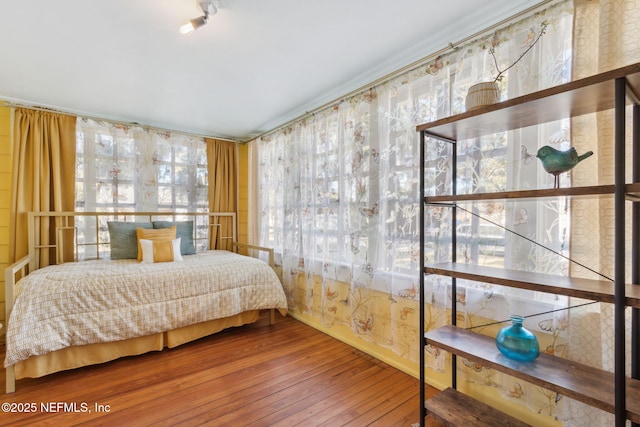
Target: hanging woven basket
481,94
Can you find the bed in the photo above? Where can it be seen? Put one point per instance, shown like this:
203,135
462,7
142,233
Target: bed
91,311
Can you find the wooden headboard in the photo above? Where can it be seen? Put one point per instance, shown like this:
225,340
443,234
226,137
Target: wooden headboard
90,234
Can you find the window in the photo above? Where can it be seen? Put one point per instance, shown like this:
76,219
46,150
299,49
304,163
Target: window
128,168
339,188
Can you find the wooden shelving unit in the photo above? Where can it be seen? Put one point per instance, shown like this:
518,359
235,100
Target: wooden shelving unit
577,381
609,391
456,409
596,190
584,96
597,290
632,190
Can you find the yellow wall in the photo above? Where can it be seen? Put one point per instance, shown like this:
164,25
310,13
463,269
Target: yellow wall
5,189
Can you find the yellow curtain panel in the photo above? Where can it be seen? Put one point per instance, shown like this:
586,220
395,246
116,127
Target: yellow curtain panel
222,169
43,178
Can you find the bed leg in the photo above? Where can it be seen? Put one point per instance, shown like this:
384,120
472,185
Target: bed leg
10,379
272,316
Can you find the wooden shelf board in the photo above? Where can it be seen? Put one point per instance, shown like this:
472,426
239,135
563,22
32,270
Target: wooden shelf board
457,409
583,96
633,191
524,194
598,290
574,380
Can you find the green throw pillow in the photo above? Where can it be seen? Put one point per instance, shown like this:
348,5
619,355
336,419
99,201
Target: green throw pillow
122,236
184,230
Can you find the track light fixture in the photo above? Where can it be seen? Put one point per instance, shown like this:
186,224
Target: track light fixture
208,7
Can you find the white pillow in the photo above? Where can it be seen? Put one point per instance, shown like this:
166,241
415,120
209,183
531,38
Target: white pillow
160,250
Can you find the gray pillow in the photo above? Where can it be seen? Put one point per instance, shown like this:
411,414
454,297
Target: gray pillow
184,230
123,239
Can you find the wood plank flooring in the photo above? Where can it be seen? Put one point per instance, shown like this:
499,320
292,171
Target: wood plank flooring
257,375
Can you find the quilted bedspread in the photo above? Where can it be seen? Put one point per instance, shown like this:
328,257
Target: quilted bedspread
104,300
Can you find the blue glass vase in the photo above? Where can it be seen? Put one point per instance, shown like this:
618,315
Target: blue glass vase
516,342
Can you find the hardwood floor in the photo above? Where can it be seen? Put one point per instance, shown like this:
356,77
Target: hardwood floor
256,375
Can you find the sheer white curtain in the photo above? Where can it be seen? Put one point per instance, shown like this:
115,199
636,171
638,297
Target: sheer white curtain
130,168
338,199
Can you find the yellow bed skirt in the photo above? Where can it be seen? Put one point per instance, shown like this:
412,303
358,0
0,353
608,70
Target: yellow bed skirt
92,354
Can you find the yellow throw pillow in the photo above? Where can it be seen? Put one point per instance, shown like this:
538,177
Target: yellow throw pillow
160,250
168,233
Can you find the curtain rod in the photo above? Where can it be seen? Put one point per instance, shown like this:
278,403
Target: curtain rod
420,62
13,104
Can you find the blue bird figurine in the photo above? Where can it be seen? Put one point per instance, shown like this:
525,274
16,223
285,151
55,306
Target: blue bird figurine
556,162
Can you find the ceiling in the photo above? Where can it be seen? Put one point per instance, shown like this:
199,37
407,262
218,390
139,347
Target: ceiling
256,65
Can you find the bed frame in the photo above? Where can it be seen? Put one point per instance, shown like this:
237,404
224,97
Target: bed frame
206,225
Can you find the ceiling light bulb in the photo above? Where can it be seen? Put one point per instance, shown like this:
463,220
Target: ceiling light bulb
187,28
208,8
193,24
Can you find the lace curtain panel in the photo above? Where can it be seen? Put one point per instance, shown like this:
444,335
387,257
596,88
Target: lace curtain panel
338,199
